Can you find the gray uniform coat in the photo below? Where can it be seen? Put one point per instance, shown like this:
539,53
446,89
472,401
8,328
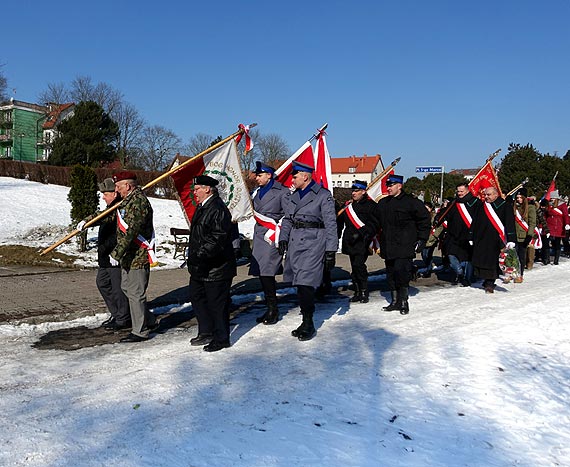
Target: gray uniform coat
305,257
266,259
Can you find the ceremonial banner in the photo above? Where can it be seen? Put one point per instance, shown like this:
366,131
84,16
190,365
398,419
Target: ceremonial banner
304,155
485,178
223,165
551,188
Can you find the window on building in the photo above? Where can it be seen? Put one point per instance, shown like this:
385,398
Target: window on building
347,184
352,170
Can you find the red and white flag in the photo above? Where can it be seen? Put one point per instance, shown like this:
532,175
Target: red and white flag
304,155
378,188
551,188
485,178
323,170
223,165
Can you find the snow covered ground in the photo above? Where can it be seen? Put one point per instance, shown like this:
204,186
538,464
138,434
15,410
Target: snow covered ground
467,379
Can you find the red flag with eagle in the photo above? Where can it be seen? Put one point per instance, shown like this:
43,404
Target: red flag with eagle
223,165
485,178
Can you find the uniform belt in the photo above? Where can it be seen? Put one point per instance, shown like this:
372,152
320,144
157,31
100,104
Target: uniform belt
308,225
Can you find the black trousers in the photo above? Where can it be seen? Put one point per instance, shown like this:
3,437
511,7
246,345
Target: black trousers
109,284
211,304
306,296
359,271
521,253
398,272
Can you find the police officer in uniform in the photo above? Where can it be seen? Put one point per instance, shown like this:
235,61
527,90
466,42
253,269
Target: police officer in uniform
309,237
266,262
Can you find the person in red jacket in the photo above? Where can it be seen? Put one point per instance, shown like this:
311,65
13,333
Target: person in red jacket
558,223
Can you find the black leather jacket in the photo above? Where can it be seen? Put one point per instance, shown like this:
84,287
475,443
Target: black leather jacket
210,253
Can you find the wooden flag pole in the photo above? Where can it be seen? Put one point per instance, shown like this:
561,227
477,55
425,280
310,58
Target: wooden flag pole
377,179
148,185
515,189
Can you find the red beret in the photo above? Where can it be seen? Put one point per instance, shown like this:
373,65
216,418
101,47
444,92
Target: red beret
124,176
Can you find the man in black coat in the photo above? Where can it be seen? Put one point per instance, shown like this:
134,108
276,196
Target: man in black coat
108,278
493,228
212,266
404,225
456,243
355,240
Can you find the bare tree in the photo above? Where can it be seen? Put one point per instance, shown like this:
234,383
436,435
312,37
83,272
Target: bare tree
83,89
271,148
131,126
3,86
198,143
156,148
56,93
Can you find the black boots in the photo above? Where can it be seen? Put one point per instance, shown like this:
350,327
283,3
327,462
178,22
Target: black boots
357,293
360,293
271,316
307,330
395,303
404,308
399,301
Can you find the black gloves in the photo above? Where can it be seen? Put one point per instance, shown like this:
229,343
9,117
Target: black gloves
282,247
527,240
330,259
420,245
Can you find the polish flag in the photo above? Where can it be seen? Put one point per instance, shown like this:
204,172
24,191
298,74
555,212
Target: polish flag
223,165
304,155
551,188
323,171
378,189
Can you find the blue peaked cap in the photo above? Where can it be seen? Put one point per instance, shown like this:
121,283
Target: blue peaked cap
394,179
260,167
300,167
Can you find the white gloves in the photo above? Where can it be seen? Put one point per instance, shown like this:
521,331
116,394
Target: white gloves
548,235
471,242
567,227
81,225
113,261
510,245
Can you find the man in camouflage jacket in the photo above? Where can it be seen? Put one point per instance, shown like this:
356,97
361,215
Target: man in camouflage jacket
134,252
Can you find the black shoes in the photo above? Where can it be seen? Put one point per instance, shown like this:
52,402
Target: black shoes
262,318
108,323
214,346
304,332
115,326
133,338
201,339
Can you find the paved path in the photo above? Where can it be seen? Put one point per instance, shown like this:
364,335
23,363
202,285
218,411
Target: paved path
34,295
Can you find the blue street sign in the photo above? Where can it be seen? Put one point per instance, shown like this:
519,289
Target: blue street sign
431,170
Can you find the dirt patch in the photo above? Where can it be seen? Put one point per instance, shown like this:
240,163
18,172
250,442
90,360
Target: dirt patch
25,255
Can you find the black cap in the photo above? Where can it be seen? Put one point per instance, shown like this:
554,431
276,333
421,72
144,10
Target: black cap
205,180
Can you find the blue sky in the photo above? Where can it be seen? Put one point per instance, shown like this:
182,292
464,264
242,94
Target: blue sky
437,83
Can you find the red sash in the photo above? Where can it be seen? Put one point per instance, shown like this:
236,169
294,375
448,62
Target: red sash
353,217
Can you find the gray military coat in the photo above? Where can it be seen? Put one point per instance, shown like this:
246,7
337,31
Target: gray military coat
307,245
266,260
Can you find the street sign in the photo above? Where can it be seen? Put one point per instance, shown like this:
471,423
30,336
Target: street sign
430,170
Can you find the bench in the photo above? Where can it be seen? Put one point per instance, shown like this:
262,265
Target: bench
181,241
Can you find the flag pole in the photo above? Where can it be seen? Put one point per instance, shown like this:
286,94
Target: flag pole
376,180
148,185
319,131
515,189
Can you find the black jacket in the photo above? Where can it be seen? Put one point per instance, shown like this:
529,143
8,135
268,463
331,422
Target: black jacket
356,241
456,241
107,237
403,220
210,253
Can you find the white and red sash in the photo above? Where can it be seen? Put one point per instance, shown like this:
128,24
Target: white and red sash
273,228
434,228
535,242
464,213
353,217
140,240
495,221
